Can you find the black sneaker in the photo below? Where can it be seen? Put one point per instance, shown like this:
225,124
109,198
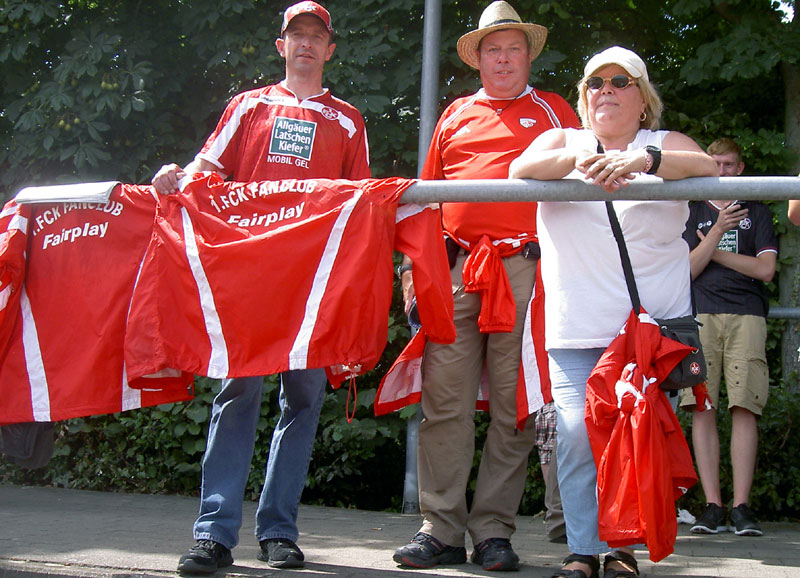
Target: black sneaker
495,554
204,558
281,553
713,520
425,551
743,521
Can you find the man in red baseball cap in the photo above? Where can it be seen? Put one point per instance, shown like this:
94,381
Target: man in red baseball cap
293,129
307,7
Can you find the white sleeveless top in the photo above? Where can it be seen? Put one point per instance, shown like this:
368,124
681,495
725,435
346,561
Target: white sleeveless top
586,299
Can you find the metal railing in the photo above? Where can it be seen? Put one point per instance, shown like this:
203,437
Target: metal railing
784,312
643,188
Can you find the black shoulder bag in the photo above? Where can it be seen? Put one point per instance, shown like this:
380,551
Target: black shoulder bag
692,370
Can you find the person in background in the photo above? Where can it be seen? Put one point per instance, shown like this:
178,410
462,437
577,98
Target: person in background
292,129
477,136
546,446
733,255
587,301
794,211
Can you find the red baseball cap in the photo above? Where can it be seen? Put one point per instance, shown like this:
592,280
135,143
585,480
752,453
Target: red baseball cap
306,7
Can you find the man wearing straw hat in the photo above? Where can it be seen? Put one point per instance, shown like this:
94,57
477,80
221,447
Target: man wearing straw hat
494,253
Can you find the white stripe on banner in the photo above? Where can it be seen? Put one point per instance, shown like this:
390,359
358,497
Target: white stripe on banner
5,295
6,211
40,392
218,361
530,368
298,356
18,222
131,398
407,211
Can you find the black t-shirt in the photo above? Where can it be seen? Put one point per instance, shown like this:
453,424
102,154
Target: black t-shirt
720,289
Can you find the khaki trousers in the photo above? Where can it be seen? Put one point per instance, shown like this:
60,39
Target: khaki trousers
451,379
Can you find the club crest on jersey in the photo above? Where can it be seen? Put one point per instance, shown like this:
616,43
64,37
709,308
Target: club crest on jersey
330,113
745,223
292,137
527,122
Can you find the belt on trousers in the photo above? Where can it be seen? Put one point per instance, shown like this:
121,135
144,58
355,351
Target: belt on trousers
530,250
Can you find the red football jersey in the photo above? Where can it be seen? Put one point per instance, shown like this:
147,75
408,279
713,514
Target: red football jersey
267,134
264,277
477,138
67,272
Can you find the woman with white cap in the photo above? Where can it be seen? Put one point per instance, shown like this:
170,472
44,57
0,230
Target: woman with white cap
587,299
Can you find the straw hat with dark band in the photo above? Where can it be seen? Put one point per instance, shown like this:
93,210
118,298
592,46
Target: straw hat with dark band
499,16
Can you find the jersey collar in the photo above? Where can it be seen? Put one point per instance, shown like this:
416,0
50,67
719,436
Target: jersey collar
289,91
481,94
717,208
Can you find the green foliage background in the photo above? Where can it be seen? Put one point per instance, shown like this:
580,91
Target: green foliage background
112,90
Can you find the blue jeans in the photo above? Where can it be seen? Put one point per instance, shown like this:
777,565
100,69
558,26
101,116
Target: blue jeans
231,439
577,474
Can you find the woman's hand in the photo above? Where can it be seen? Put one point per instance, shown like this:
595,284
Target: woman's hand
612,170
407,283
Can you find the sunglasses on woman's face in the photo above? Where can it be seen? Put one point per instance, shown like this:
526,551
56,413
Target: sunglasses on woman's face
617,81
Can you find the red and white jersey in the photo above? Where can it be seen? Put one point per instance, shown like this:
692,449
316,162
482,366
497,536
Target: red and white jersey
477,138
67,273
268,134
259,278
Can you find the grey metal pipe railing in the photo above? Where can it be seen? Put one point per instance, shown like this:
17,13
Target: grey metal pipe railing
516,190
784,312
429,92
428,116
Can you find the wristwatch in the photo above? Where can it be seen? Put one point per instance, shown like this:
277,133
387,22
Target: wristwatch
655,153
402,269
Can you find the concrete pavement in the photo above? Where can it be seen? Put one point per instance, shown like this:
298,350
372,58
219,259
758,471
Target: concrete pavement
69,533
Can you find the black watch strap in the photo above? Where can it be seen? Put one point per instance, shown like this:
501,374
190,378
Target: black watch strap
654,152
402,269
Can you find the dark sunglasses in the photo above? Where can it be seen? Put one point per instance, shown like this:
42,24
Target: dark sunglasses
617,81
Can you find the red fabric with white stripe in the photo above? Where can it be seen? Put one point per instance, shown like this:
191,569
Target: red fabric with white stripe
67,272
643,460
402,384
282,275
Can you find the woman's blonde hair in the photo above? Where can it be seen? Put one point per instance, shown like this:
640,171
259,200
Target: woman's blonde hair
652,103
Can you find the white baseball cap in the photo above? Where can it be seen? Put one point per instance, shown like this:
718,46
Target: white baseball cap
623,57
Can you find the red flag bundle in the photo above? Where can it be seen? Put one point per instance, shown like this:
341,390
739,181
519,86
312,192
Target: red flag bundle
643,460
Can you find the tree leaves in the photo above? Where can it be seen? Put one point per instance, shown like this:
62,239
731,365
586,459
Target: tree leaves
112,90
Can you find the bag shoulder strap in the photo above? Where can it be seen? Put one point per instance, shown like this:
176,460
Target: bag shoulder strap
627,268
630,280
633,291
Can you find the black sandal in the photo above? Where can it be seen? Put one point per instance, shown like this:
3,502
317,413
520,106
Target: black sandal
628,561
590,561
